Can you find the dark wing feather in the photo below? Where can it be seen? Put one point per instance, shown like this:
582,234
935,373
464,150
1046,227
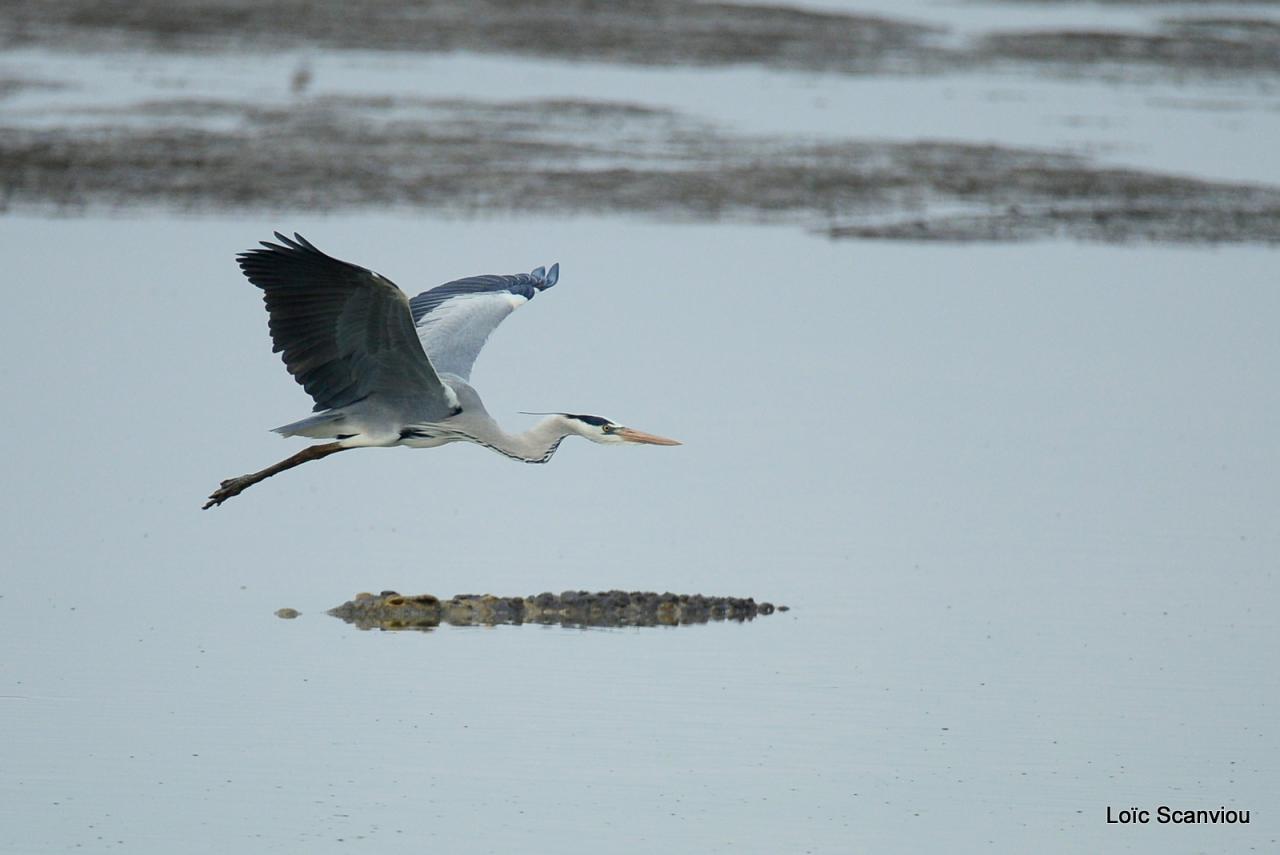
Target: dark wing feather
345,333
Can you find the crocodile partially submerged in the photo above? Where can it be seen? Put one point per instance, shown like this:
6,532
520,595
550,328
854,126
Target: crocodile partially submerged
391,610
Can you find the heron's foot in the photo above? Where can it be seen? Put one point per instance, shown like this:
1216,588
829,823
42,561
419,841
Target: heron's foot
230,487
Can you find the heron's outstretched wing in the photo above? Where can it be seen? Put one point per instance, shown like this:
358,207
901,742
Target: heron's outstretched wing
454,320
345,332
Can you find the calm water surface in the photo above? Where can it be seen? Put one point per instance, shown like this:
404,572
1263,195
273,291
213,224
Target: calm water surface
1021,501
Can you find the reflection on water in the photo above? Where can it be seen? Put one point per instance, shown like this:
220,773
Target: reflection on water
390,610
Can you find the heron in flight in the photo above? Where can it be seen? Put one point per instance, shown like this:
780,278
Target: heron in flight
386,370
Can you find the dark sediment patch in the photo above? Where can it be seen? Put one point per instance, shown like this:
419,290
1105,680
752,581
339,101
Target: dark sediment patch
1118,225
1141,3
648,32
329,154
1213,47
10,86
645,32
392,611
1242,28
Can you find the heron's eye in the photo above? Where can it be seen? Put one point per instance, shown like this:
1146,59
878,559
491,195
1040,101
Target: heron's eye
608,428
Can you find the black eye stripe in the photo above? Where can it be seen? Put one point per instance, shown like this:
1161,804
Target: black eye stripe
591,420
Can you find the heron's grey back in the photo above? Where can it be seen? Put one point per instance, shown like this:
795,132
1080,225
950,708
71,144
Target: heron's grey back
345,333
454,320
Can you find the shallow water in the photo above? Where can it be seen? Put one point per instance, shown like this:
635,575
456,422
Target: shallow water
1021,499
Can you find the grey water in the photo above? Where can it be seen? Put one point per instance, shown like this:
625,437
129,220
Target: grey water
1021,499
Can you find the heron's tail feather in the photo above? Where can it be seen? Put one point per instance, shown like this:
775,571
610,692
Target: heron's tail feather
319,426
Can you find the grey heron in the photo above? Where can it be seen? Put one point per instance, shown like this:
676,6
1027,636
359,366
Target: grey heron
385,370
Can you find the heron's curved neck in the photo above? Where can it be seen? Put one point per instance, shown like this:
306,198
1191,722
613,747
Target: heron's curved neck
536,445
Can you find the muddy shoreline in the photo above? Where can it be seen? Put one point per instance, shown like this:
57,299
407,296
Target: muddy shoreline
649,32
577,157
469,157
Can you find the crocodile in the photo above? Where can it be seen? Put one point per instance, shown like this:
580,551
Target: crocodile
394,611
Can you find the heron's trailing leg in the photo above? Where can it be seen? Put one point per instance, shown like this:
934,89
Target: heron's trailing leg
236,486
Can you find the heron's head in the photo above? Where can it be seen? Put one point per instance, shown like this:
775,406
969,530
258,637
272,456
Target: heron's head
602,430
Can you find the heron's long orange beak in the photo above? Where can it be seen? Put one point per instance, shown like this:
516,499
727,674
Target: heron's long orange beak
647,438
